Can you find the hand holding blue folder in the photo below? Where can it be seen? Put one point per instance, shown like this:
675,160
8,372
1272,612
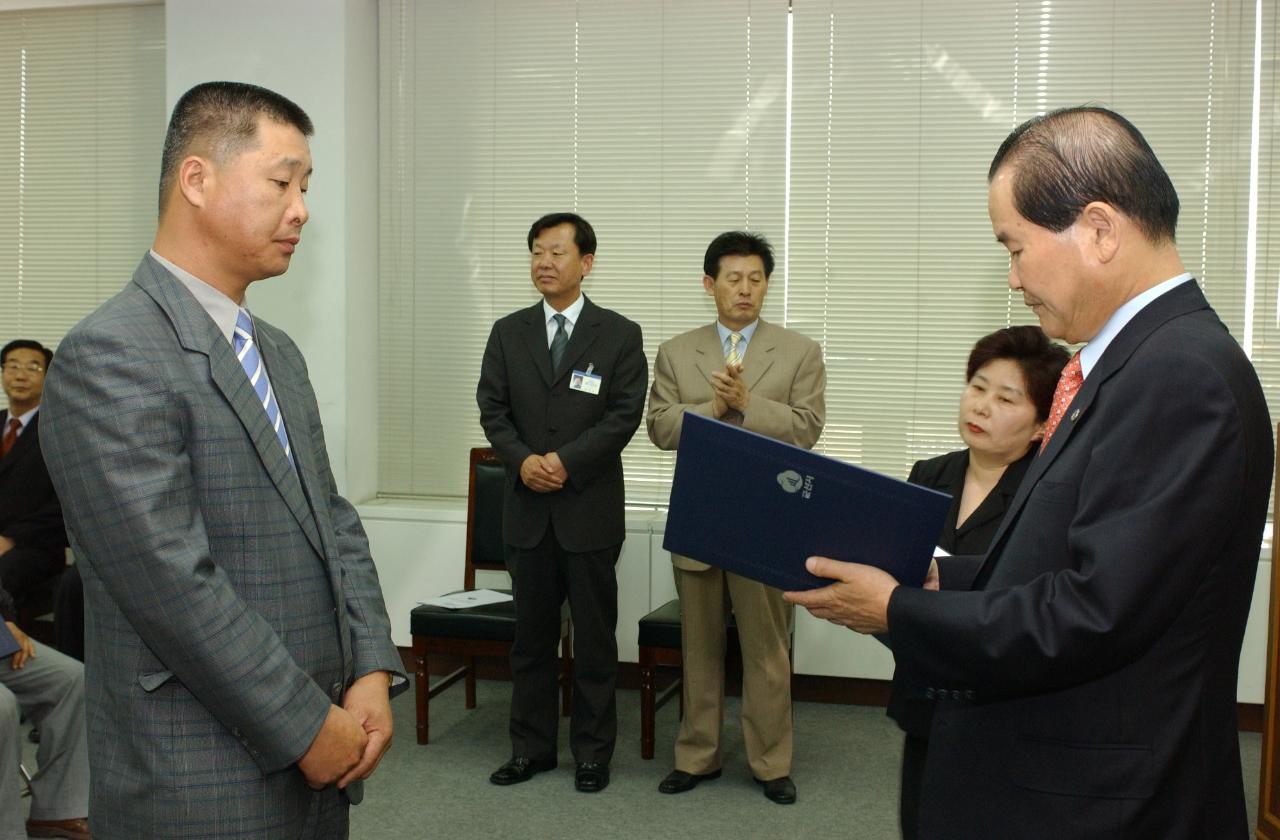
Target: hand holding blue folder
759,507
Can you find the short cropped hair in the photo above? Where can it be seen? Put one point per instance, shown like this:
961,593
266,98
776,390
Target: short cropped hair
26,344
584,236
1040,359
737,243
220,119
1067,158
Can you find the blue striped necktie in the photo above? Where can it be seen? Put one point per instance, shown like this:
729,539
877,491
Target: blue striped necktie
247,352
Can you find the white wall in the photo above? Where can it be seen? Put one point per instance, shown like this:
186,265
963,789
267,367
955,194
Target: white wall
323,54
420,545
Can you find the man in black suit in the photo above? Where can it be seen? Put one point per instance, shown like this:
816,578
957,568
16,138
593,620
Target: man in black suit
1085,667
561,392
32,539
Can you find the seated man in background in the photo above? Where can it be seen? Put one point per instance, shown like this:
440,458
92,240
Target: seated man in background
49,688
32,539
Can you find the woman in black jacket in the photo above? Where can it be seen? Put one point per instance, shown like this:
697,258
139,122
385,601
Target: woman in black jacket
1009,384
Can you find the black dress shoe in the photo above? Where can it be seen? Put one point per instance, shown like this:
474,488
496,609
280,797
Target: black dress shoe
678,781
520,769
591,777
782,791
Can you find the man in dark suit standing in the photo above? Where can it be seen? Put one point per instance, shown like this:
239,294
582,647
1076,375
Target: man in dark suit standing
32,539
561,392
1085,667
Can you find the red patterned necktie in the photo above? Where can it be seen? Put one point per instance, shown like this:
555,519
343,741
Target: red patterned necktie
1068,384
10,436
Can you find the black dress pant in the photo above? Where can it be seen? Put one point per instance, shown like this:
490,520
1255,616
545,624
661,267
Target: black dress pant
915,749
542,578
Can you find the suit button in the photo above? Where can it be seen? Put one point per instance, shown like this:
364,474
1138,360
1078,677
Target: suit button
955,694
968,694
929,694
335,691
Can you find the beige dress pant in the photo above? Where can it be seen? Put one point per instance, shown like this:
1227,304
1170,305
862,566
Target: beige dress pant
763,618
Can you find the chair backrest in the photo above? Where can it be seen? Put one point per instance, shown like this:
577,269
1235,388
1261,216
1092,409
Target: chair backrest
484,514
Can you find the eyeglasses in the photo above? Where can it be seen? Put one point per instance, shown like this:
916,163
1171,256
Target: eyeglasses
29,367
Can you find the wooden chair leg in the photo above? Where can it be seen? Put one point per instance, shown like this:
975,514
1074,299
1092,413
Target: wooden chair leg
420,685
646,711
470,679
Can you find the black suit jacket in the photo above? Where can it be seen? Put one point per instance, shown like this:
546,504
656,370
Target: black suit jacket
1089,660
29,511
908,704
526,408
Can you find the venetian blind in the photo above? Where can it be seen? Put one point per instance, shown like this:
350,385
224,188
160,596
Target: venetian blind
81,118
662,123
862,152
897,113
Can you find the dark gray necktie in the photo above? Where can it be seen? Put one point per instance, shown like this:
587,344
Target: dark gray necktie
558,342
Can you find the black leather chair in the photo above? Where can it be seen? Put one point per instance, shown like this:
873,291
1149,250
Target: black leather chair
477,631
660,648
36,611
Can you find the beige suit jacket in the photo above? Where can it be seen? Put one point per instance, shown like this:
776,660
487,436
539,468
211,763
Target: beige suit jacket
783,370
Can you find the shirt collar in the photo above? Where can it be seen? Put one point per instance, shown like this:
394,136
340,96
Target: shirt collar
222,309
746,333
570,313
1092,352
24,420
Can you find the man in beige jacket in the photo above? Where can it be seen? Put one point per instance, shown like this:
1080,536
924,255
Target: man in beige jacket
770,380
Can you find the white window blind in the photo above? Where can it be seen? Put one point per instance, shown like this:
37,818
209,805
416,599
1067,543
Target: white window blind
662,123
81,121
665,123
897,114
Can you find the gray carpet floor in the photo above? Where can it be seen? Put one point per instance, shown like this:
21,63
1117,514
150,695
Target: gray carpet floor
846,773
845,770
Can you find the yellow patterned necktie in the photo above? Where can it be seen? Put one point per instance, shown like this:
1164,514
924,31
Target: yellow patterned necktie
734,356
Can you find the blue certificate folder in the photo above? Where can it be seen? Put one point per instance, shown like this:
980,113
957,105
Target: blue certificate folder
8,644
759,507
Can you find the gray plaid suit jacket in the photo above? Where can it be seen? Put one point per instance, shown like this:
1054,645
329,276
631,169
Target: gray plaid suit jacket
230,598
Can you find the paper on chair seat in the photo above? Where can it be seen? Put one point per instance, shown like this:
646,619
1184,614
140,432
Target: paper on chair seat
471,598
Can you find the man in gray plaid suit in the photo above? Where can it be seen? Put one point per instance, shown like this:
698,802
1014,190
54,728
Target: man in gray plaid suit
238,653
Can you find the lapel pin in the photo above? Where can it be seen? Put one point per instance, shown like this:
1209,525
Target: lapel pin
1075,415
